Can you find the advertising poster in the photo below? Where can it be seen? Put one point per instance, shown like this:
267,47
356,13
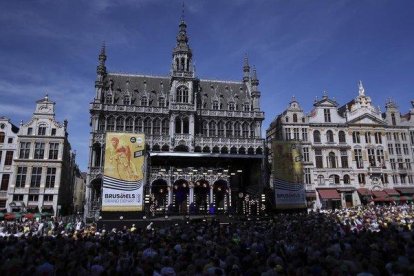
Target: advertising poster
123,172
288,175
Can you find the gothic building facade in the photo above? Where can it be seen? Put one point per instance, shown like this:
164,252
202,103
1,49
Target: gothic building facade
203,137
351,154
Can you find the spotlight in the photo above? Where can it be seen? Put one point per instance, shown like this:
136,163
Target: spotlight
121,217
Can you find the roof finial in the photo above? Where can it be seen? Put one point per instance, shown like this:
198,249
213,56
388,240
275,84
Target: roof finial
47,97
361,89
182,12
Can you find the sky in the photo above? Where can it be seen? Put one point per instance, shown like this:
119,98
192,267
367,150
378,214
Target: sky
299,48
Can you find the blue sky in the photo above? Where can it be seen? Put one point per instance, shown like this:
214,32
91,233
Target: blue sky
299,48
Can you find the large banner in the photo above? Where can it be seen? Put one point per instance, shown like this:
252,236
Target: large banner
287,171
123,172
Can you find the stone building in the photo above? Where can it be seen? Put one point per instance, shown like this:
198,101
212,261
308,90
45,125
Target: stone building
8,138
43,164
351,154
203,136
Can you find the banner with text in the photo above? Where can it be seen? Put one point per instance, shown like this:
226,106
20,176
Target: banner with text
288,175
123,172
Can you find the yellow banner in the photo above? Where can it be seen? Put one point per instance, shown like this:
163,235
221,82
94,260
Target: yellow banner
123,172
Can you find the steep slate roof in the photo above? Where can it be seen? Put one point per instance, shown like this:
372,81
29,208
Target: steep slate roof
155,86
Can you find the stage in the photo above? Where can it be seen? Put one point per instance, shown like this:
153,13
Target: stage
160,221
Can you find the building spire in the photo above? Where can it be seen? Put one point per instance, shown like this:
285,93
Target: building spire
101,69
255,81
182,55
361,89
246,69
182,12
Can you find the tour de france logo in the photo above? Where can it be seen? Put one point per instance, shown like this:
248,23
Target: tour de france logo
137,140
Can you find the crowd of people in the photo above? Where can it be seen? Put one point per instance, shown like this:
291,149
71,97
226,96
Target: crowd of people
370,240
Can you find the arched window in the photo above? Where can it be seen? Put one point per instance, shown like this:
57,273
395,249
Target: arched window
110,126
347,180
127,100
182,94
321,180
216,149
197,149
215,105
242,150
157,126
252,130
138,125
394,122
161,102
295,118
165,148
221,129
206,149
229,130
245,130
250,151
212,129
165,127
120,124
108,99
186,125
177,125
316,136
259,150
237,129
334,179
144,101
233,150
129,124
205,128
341,136
2,135
287,119
224,150
329,136
101,123
356,137
332,160
147,126
41,130
156,147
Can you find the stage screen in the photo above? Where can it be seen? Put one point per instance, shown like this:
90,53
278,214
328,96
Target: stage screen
123,172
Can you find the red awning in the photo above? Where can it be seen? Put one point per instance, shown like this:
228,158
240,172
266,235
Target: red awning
379,194
406,190
364,192
329,194
310,194
392,192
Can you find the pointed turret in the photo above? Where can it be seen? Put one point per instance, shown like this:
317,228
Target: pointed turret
100,73
182,55
101,69
246,69
255,91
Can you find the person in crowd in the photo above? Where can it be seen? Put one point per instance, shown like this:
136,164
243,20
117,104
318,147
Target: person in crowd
369,240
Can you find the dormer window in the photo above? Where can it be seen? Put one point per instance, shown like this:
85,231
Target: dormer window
161,102
144,101
246,107
287,119
127,100
327,115
182,94
41,130
231,106
215,105
108,99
